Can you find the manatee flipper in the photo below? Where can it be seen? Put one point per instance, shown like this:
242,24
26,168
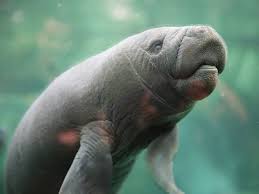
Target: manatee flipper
160,155
91,170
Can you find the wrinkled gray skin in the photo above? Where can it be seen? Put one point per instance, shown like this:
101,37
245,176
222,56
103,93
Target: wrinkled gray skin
83,133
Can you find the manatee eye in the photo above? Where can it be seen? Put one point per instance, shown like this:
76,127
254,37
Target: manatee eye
156,46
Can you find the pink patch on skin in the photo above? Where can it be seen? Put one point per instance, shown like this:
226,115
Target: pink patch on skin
150,109
101,116
147,111
197,90
147,108
69,138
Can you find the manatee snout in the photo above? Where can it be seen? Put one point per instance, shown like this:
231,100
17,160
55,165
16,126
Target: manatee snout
201,57
201,45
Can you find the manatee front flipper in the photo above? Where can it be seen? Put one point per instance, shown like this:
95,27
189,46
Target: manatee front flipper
91,170
160,155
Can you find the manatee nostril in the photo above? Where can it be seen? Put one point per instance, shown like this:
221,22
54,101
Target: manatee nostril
200,29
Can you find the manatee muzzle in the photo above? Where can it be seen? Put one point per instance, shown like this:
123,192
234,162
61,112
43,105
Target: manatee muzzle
201,57
201,47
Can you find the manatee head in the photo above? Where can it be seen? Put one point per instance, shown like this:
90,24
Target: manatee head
177,63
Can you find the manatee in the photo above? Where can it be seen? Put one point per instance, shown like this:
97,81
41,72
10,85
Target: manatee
84,132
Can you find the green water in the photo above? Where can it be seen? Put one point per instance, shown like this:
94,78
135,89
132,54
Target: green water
219,140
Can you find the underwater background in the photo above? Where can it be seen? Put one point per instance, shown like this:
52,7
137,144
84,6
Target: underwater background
219,139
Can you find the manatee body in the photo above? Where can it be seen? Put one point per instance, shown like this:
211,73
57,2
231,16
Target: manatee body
83,133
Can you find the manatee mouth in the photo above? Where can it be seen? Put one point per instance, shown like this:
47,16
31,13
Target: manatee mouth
200,84
187,70
208,69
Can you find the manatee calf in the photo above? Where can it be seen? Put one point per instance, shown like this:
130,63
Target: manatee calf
83,133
